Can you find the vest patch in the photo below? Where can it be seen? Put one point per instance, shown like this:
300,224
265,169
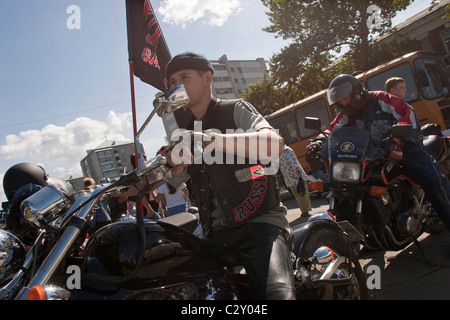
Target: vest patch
255,198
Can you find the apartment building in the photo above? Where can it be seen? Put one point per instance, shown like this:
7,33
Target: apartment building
428,27
109,160
233,77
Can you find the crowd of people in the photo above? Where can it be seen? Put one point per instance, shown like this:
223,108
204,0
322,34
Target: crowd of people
159,203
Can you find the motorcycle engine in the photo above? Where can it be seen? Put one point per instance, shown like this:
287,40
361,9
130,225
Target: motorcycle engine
409,221
180,291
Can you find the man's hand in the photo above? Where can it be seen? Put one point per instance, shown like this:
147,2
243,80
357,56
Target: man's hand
177,167
313,148
395,152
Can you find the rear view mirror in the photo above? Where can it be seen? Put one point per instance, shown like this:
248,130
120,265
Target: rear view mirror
313,124
401,131
168,102
164,103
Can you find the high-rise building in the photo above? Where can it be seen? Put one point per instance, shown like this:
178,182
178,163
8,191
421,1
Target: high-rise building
233,77
109,160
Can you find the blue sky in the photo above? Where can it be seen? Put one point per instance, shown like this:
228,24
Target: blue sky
64,91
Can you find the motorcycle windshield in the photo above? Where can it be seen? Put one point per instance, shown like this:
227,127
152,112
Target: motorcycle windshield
348,144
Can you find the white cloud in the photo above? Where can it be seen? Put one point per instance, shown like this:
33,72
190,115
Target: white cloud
213,12
60,148
65,143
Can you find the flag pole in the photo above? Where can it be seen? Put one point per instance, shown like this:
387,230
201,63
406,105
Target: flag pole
133,108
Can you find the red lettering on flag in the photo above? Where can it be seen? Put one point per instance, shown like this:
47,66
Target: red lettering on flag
153,38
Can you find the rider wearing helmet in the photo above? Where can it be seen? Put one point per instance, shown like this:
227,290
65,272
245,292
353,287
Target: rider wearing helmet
22,174
377,111
342,86
20,182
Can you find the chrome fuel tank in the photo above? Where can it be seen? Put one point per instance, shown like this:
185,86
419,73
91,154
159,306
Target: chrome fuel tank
12,255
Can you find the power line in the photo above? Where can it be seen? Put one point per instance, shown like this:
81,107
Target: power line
69,114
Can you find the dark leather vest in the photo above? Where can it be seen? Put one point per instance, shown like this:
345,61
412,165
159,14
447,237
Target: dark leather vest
241,190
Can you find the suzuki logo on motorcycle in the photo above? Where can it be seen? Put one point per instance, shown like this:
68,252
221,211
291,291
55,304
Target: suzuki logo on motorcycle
347,147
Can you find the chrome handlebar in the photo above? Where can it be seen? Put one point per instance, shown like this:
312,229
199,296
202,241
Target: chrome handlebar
74,220
155,171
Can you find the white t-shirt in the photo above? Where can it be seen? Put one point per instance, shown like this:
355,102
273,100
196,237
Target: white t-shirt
175,199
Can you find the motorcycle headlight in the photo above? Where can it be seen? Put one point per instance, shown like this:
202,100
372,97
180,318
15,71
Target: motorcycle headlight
44,206
346,171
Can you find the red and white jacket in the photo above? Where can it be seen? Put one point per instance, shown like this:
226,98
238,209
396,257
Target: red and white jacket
380,111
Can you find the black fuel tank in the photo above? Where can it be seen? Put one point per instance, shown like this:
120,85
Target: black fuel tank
169,251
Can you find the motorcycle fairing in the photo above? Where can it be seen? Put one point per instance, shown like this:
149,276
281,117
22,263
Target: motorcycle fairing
392,171
348,143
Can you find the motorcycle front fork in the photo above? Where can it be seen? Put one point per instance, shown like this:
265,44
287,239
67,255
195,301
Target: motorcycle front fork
358,211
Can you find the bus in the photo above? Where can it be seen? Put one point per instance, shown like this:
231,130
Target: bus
427,81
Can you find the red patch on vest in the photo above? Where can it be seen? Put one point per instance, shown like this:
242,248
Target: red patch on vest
255,198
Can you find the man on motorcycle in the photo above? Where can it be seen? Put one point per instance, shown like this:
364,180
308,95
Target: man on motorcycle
377,111
239,208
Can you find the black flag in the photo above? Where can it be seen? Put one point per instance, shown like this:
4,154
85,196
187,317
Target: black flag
147,48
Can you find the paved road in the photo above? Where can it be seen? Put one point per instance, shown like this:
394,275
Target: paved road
405,274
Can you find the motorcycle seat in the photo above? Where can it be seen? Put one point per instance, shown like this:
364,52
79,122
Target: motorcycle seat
184,220
434,145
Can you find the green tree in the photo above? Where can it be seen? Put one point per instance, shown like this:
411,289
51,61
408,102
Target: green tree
319,32
321,29
268,97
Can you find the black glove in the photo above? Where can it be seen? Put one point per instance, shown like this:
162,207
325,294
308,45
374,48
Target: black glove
313,148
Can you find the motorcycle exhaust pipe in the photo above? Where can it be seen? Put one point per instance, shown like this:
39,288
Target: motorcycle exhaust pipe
332,268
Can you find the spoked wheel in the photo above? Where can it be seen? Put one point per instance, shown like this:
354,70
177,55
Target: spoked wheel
353,289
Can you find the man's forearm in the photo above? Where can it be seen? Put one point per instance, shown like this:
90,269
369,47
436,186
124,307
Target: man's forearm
260,145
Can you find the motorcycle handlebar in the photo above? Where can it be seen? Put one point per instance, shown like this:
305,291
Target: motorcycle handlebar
75,220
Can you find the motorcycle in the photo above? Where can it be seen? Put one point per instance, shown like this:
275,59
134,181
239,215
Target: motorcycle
317,188
438,146
156,260
372,197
